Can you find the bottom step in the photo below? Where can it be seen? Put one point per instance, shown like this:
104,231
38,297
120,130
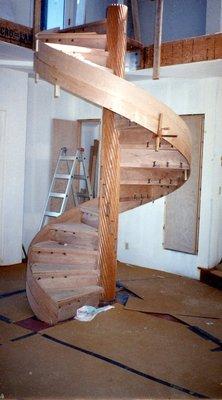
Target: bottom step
69,301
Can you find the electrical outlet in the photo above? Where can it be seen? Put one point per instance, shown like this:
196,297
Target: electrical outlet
126,246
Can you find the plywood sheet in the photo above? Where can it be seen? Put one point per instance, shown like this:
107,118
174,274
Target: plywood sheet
182,207
10,331
131,272
15,307
209,325
182,296
161,348
41,369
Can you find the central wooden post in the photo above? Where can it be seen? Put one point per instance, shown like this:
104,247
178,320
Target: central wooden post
110,165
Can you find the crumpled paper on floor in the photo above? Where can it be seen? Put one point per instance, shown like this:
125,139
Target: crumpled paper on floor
87,313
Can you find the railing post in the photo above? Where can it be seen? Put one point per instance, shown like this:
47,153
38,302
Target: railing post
110,167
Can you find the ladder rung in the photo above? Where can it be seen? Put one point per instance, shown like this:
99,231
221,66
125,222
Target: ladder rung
52,214
62,176
60,195
68,158
80,177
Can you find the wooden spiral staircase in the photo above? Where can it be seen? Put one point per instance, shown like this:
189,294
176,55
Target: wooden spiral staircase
145,154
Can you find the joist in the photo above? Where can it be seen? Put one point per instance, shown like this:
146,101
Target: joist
145,155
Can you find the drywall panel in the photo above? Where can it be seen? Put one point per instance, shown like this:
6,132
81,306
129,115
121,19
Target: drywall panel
13,100
181,227
142,228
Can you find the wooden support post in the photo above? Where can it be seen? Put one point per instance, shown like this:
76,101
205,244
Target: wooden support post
136,20
110,166
157,39
36,20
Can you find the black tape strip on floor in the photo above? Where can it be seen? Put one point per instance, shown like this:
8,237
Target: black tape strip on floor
5,319
9,294
125,367
217,349
205,335
23,336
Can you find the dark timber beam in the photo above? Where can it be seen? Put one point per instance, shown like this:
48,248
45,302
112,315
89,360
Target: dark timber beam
17,34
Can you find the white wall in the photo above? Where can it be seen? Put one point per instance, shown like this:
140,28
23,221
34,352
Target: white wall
14,104
42,108
142,228
20,11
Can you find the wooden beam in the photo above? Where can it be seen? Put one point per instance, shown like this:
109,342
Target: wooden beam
17,34
136,20
157,39
36,19
110,162
201,48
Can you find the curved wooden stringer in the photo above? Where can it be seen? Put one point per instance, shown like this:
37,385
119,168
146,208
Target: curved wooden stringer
145,155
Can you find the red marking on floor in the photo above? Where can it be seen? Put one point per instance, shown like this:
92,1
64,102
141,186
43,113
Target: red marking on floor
33,324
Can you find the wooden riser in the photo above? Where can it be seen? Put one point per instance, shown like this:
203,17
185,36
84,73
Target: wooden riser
151,176
90,219
69,310
67,282
83,261
148,158
79,240
49,270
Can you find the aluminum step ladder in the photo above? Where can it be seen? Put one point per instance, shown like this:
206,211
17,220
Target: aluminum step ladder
70,163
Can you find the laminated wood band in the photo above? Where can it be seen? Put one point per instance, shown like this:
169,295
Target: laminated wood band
110,159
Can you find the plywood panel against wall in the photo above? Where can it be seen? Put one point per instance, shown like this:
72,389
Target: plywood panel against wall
64,134
182,206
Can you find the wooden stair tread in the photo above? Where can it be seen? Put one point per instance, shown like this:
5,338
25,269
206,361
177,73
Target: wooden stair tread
51,246
66,296
67,269
90,207
145,182
74,227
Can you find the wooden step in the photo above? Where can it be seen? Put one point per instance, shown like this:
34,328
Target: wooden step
52,270
68,282
90,219
149,158
69,301
90,40
90,213
97,56
79,234
90,207
137,137
52,252
151,176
